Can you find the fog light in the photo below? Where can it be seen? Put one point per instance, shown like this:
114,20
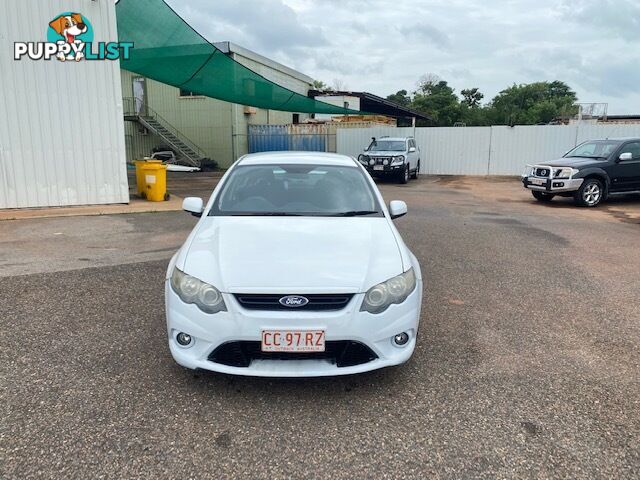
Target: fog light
401,339
385,162
372,162
183,339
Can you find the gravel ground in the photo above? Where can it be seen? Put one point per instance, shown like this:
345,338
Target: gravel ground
527,365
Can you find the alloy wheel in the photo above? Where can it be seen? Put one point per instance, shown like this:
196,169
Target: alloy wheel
592,194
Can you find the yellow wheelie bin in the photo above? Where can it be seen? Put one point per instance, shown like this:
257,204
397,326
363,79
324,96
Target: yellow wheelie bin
151,180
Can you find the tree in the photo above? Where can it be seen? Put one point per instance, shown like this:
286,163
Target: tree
426,83
436,98
338,85
320,85
471,97
401,97
533,103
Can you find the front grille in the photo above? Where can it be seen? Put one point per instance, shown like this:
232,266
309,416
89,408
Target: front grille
542,172
342,353
321,301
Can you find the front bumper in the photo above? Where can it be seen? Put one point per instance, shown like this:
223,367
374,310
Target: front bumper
551,185
239,324
386,169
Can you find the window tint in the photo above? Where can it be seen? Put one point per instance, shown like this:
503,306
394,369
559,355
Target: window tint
633,148
324,190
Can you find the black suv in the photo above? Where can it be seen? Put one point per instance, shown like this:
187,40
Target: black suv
589,173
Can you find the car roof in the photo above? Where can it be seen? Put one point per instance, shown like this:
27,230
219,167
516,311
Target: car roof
394,139
614,139
291,157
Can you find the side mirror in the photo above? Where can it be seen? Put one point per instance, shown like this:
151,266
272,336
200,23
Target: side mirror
193,205
625,157
397,208
412,149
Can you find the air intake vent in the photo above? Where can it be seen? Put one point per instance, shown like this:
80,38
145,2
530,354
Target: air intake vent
343,353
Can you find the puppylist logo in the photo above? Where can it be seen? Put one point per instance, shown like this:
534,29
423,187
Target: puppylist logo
70,37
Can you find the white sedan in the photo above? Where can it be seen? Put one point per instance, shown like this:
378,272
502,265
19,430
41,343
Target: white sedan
294,269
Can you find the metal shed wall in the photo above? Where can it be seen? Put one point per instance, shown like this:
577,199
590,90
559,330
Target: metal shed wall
61,123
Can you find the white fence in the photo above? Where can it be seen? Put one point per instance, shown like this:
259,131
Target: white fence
498,150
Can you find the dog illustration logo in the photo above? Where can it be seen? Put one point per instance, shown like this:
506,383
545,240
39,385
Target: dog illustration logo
70,37
70,29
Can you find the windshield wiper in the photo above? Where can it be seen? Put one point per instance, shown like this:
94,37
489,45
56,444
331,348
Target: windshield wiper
265,214
354,213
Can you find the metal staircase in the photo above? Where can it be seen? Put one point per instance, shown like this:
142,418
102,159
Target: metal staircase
186,150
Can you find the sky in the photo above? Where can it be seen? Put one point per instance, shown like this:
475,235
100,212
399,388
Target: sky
382,46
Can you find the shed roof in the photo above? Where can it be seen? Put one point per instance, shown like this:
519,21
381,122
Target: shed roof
374,104
230,47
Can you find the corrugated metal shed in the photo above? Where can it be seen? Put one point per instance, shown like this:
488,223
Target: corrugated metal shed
61,123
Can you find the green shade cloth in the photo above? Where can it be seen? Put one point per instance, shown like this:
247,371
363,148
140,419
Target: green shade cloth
168,50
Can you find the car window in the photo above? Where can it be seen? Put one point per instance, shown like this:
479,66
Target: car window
412,143
312,190
387,146
594,149
633,148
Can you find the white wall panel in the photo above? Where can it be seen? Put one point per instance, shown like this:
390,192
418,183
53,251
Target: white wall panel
613,130
514,147
454,150
61,123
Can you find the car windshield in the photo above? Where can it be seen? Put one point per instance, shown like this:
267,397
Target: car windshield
387,146
594,149
307,190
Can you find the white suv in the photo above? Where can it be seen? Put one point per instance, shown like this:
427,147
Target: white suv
392,156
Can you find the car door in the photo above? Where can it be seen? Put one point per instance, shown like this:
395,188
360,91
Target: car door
625,174
413,156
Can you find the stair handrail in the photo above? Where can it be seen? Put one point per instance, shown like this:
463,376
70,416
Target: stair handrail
130,110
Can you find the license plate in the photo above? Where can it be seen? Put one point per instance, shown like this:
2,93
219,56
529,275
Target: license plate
292,341
378,167
537,181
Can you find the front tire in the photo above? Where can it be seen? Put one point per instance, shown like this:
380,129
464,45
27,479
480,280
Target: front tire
416,171
590,193
404,175
542,196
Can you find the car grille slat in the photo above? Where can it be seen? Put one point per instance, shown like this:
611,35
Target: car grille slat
272,302
342,353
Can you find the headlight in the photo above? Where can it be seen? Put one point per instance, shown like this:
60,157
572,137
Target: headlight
566,172
394,290
399,160
363,158
191,290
